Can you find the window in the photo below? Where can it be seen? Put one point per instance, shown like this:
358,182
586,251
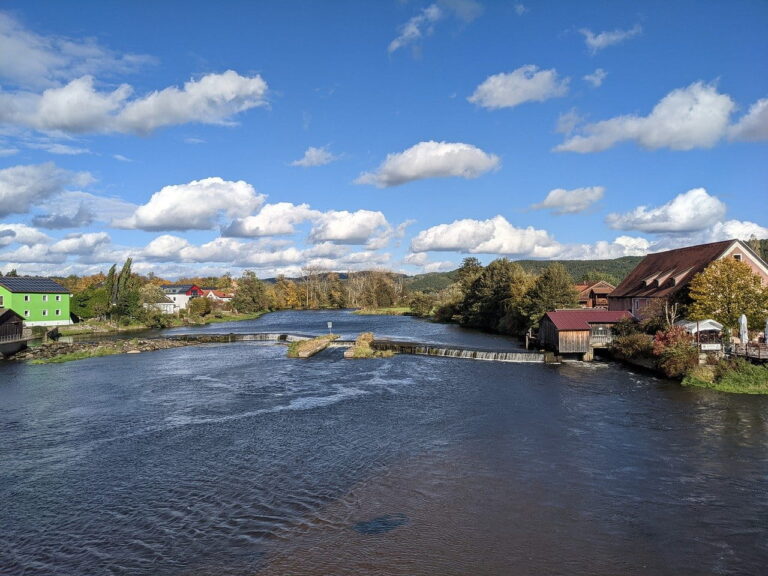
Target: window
58,297
45,312
26,313
58,312
1,301
45,297
737,257
26,297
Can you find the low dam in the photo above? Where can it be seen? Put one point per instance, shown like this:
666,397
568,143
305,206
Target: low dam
396,346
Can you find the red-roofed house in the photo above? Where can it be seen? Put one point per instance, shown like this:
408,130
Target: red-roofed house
666,275
578,331
216,295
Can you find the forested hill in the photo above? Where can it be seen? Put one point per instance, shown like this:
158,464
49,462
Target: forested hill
613,271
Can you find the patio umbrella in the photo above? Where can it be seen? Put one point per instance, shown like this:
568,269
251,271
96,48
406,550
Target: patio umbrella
743,333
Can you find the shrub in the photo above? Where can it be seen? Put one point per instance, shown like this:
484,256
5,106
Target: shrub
676,352
632,346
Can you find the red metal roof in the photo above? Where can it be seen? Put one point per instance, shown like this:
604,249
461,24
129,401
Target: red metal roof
581,318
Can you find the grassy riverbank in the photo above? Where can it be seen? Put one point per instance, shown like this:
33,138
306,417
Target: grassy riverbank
392,311
362,348
733,375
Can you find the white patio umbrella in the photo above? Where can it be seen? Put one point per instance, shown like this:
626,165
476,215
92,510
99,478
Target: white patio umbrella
743,333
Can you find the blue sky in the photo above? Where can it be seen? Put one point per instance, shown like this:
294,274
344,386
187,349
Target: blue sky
203,138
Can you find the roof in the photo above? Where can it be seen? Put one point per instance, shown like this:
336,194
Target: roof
664,273
8,315
599,287
217,293
581,318
32,284
178,288
700,326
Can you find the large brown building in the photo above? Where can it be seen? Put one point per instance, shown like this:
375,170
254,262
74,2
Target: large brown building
664,275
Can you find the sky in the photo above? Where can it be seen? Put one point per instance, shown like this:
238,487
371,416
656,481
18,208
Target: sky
201,138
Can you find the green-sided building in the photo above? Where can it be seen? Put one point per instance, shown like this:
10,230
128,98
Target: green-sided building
39,301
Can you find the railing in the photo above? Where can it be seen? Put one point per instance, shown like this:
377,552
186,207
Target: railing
752,351
600,339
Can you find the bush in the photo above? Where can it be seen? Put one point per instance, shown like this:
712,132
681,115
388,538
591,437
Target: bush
634,345
676,352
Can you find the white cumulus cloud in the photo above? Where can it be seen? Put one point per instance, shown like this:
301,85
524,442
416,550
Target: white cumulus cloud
687,212
431,160
81,243
22,187
315,157
343,227
687,118
493,236
194,206
526,84
561,201
272,220
754,125
21,234
80,107
596,42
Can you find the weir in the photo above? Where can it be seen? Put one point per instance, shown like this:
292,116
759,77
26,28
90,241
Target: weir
404,347
397,346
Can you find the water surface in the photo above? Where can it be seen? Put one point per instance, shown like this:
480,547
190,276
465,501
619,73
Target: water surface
233,460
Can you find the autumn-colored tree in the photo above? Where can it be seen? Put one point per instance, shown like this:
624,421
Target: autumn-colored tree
552,290
725,290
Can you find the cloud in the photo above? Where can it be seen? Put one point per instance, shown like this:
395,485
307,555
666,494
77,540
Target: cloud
21,187
59,149
493,236
194,206
57,220
421,260
21,234
165,248
596,42
413,30
35,254
103,209
687,118
688,212
79,107
431,160
596,78
315,157
526,84
272,220
210,100
464,10
754,125
80,243
31,60
345,227
521,9
604,250
561,201
121,158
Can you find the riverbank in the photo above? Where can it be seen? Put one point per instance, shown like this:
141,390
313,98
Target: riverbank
95,327
391,311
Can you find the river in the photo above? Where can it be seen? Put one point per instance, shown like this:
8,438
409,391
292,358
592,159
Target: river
234,460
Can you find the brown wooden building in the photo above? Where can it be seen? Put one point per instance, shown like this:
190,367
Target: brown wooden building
578,331
594,295
665,275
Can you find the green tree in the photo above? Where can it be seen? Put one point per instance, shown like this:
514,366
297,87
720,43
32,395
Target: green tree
421,304
468,272
552,290
725,290
199,307
488,298
251,295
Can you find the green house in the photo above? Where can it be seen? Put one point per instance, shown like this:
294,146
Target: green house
39,301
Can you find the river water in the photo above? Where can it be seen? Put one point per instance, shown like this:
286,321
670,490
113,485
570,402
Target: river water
234,460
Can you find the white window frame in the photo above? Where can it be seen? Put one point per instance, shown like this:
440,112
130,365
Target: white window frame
58,312
26,297
45,297
58,297
27,313
45,312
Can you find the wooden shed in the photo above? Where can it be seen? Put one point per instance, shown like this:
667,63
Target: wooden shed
578,331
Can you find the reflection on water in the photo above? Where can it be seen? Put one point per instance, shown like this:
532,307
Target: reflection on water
233,460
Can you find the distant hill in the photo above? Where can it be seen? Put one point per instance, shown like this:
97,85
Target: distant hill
616,269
